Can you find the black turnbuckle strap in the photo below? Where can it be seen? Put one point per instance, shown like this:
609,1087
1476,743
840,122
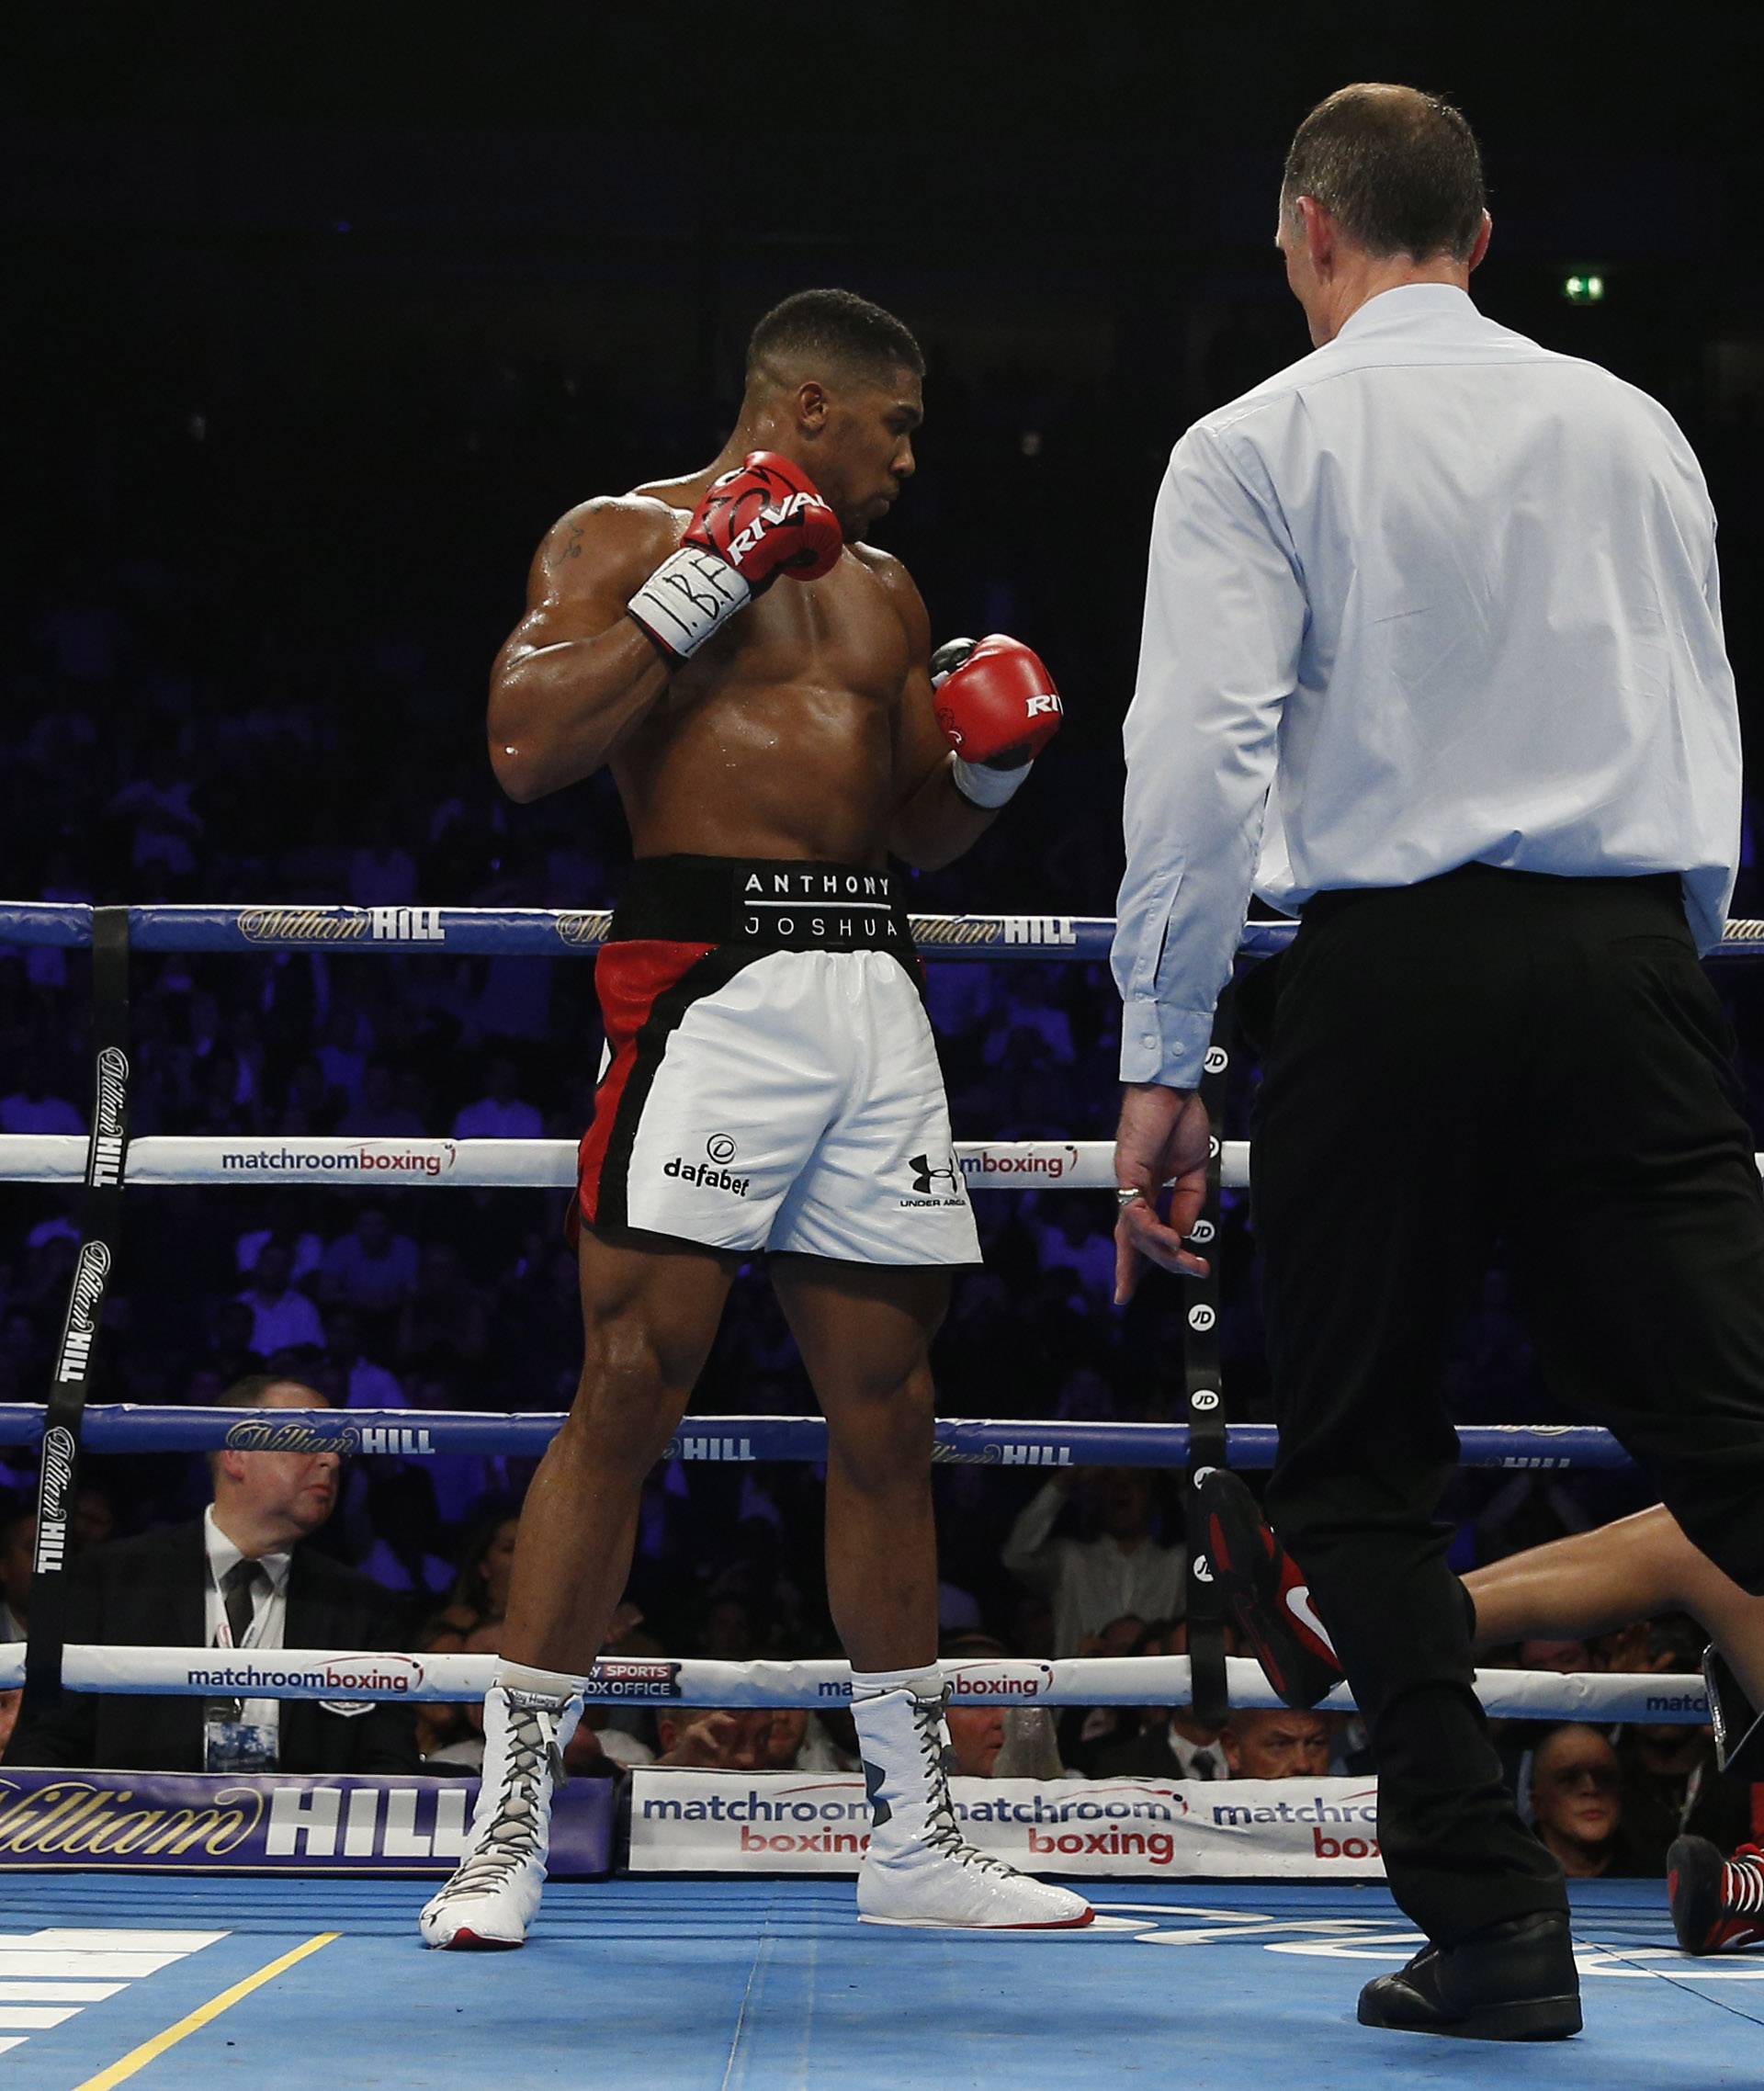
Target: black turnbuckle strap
101,1215
1206,1390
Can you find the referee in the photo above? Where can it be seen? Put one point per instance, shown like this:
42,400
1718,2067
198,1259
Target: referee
1432,658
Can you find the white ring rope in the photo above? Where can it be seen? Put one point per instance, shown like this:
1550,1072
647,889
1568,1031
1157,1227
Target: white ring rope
1130,1680
167,1159
548,1165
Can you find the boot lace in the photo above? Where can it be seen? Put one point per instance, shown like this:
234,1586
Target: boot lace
512,1835
944,1834
1743,1882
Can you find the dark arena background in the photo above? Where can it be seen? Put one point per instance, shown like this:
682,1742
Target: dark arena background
314,319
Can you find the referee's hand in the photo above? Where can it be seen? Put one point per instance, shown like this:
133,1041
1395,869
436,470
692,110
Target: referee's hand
1164,1134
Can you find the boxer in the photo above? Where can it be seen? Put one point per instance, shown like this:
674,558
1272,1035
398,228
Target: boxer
760,682
1572,1589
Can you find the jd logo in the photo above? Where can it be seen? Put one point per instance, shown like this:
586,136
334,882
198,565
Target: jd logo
924,1175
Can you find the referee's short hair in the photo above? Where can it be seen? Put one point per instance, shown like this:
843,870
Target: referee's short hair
1397,169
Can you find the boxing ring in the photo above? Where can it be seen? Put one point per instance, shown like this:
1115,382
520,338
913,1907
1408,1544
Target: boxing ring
213,1977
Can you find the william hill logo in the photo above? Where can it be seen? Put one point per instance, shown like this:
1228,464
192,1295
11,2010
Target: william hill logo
76,1818
342,925
586,927
695,1447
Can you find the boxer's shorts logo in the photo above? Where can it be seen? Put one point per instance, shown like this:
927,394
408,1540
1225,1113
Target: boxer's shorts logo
720,1148
706,1176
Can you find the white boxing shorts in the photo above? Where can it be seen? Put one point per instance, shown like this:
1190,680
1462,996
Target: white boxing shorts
772,1082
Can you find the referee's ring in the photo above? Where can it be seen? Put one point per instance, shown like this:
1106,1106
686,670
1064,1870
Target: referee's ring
167,1931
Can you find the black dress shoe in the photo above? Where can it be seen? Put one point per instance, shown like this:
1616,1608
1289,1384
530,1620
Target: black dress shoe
1514,1981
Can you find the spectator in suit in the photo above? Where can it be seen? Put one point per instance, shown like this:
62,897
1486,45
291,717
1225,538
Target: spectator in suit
239,1575
1276,1743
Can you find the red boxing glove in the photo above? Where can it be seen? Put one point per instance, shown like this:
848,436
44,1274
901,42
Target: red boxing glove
994,698
765,518
762,519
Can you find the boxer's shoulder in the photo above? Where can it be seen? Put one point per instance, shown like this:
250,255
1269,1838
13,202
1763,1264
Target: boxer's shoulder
617,536
891,576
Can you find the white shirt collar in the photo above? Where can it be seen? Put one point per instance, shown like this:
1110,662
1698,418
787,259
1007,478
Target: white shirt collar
222,1555
1406,303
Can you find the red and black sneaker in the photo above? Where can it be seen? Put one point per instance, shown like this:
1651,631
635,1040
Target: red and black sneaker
1717,1904
1265,1593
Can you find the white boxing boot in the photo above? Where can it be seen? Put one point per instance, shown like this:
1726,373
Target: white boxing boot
917,1869
494,1893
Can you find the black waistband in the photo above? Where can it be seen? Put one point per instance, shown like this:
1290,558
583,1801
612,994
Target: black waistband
785,906
1653,890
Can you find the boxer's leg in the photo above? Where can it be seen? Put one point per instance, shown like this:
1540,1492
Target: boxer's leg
1592,1582
649,1313
650,1310
865,1331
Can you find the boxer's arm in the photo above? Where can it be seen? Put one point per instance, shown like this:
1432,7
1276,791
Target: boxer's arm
576,674
932,824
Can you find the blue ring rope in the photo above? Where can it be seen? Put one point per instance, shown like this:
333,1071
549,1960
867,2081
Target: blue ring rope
562,932
124,1427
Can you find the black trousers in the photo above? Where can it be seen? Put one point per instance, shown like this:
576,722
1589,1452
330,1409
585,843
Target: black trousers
1494,1052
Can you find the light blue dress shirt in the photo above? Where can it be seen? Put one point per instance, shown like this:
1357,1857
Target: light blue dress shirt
1434,595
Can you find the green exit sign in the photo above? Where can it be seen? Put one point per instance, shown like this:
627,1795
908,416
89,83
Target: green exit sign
1585,287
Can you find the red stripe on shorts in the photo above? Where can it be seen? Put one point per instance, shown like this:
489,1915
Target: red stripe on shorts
628,978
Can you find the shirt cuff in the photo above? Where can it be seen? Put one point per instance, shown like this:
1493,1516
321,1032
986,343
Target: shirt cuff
1164,1046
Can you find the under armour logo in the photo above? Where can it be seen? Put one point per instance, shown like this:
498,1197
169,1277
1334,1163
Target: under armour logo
880,1811
924,1175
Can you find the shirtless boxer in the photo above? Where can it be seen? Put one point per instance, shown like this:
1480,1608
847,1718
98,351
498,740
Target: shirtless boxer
1572,1589
760,682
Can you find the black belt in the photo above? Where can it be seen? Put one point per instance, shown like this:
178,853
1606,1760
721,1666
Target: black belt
778,905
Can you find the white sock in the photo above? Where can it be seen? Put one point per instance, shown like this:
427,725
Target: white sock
552,1684
927,1683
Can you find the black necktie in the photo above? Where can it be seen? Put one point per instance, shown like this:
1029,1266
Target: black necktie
237,1587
